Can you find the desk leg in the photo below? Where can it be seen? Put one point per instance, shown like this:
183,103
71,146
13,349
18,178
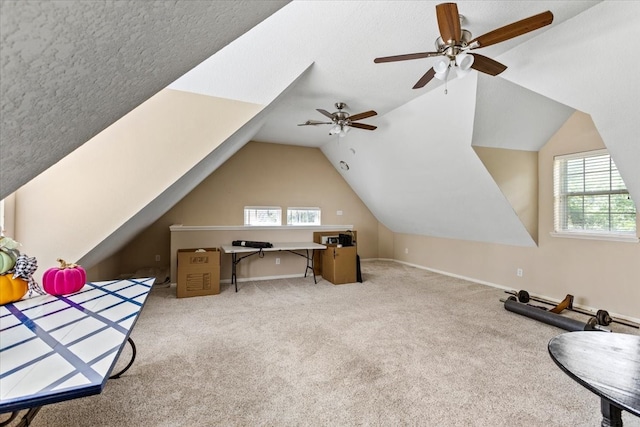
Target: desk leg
234,277
310,264
611,414
26,418
126,368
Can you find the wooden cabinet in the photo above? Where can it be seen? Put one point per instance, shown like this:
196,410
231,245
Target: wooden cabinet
339,264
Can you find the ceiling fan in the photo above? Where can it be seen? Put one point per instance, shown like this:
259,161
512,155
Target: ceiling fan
455,42
341,120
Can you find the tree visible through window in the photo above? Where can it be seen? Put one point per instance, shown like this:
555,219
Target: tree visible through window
303,216
262,215
590,195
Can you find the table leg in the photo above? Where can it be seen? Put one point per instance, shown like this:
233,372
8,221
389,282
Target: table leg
126,368
234,261
311,261
611,414
26,418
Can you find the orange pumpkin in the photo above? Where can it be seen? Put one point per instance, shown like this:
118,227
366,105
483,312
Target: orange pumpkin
11,289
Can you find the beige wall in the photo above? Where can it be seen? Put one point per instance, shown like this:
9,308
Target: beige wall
73,206
258,174
516,174
385,242
600,274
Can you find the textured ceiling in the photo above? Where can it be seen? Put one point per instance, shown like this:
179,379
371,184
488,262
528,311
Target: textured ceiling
69,69
418,172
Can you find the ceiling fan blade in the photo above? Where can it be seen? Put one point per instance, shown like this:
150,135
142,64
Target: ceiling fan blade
487,65
314,122
449,22
513,30
325,112
361,116
425,79
363,126
406,57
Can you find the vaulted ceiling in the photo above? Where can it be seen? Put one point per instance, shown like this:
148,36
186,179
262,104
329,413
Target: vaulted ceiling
62,84
70,69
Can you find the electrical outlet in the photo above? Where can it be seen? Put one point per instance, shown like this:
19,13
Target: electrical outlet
339,213
157,258
519,272
277,261
406,250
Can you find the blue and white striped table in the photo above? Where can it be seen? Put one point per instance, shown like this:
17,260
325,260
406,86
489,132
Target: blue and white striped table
56,348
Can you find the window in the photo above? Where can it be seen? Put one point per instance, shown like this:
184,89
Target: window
262,215
303,216
590,196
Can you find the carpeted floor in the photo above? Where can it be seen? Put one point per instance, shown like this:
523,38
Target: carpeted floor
406,347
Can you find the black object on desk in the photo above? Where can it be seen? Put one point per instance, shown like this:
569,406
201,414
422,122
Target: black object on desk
606,364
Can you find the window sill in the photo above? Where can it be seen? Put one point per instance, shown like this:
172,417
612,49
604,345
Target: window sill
596,236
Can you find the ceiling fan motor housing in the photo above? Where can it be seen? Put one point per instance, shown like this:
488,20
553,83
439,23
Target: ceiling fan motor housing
451,50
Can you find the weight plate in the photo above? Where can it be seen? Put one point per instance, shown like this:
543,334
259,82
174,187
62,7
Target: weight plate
523,296
603,317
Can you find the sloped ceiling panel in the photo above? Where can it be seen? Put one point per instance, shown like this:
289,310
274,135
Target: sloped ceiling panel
170,195
419,174
510,116
69,69
577,64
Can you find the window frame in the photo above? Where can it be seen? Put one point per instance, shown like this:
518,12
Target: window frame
561,194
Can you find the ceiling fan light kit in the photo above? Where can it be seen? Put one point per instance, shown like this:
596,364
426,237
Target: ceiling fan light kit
340,130
341,121
455,43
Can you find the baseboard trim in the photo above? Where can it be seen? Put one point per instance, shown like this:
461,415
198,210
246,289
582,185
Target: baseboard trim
433,270
261,278
508,288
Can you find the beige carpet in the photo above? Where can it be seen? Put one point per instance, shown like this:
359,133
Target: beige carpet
406,347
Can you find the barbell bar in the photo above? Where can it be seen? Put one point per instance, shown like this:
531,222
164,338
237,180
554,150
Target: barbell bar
601,316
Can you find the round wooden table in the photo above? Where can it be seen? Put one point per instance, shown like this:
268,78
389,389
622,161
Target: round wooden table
608,364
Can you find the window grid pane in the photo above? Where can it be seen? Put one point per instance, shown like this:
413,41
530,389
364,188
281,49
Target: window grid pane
591,197
303,216
262,215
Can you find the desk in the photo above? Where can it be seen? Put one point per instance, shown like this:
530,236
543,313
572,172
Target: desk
57,348
607,364
293,247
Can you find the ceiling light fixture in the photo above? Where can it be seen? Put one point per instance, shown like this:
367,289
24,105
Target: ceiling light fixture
455,40
461,62
340,129
341,121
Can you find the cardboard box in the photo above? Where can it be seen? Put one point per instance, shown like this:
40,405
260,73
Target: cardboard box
339,264
198,272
